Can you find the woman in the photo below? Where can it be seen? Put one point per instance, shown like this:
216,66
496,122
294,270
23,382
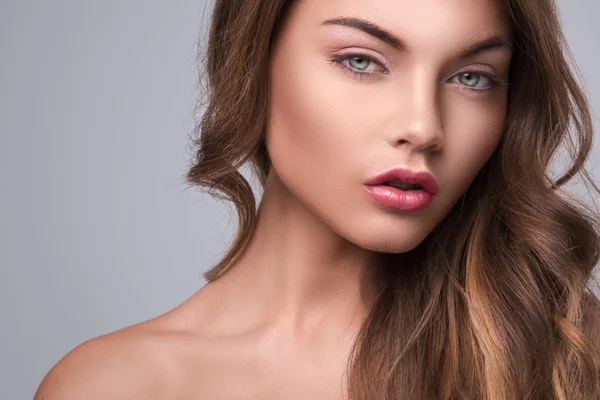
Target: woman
409,242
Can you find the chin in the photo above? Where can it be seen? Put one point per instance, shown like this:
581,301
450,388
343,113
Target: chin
385,241
393,246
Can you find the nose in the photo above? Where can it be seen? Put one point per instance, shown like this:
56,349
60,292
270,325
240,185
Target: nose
420,125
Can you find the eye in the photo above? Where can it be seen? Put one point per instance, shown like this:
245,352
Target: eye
358,64
477,81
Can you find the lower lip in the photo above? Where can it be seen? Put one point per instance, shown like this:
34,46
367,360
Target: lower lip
399,200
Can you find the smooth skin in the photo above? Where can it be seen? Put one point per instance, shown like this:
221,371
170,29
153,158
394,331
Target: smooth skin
281,322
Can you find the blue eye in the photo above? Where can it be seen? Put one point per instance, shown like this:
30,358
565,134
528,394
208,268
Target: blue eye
355,63
358,65
359,62
473,78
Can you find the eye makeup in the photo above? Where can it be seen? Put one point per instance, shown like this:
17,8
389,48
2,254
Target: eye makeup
343,62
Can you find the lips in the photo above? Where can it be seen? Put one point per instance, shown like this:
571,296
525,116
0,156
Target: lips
421,178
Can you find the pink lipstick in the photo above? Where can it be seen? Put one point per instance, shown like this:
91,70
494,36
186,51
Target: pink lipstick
402,189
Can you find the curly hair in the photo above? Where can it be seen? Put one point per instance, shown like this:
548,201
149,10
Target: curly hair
496,303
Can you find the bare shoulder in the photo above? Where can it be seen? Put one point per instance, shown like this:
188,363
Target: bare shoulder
142,361
118,365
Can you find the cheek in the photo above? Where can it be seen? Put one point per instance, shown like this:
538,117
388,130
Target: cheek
473,132
313,133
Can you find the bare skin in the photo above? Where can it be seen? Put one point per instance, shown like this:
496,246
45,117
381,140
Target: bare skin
280,323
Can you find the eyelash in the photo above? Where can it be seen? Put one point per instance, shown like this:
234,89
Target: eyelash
339,61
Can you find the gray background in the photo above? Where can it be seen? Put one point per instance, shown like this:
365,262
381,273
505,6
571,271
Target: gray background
97,229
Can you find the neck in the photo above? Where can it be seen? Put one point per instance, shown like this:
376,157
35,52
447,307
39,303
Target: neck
296,272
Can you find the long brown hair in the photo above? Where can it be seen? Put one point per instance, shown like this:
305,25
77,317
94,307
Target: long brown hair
496,302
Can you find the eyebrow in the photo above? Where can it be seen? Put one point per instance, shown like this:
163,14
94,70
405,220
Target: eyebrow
374,30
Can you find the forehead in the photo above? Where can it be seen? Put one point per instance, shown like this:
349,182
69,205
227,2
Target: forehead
417,22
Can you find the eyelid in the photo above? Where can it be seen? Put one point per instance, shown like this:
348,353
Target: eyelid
490,73
354,52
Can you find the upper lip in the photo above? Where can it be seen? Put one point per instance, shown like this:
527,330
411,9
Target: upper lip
423,178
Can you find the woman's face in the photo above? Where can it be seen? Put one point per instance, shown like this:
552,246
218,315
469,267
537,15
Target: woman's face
410,100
